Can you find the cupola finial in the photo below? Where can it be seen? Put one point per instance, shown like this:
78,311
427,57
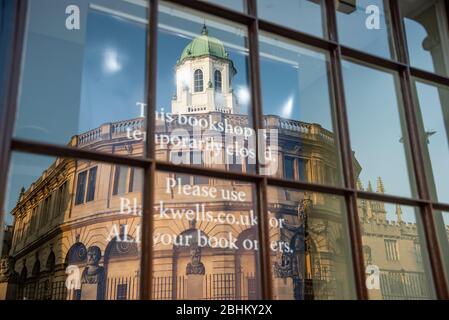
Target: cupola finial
204,32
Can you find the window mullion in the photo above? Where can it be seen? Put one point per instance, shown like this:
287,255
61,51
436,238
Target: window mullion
342,125
146,268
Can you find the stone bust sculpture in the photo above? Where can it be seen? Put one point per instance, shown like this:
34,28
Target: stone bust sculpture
7,272
195,267
93,273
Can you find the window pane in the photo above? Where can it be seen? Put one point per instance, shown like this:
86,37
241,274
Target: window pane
365,25
426,29
91,186
192,115
136,182
120,180
298,110
83,84
59,251
442,225
302,15
433,116
81,187
205,240
395,252
289,168
309,246
237,5
377,130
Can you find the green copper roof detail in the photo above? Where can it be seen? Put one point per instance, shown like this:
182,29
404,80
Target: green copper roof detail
204,45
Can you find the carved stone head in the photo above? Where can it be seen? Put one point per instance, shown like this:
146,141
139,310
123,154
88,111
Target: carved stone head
93,256
5,265
195,255
6,268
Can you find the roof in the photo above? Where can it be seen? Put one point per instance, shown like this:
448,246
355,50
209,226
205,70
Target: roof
204,45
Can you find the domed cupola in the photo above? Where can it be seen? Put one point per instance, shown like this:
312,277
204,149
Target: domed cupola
204,45
204,75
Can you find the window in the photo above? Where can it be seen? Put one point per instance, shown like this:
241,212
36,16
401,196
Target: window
367,255
432,103
81,187
418,254
121,174
114,43
442,223
289,168
391,250
86,179
198,80
298,104
237,5
297,253
45,211
365,25
302,15
62,198
229,211
122,290
302,168
135,180
357,119
217,79
426,29
403,275
202,54
91,184
372,98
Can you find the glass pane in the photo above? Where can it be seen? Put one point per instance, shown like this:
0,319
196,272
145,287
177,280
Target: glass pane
197,122
442,225
426,29
237,5
377,130
298,107
83,83
309,246
365,25
205,239
302,15
433,102
395,252
63,246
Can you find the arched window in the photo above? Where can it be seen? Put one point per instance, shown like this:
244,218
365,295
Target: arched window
217,80
77,254
36,269
198,80
50,265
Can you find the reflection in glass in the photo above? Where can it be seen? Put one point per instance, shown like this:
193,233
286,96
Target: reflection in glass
297,103
433,112
309,246
81,86
365,25
426,29
377,130
205,239
442,226
303,15
203,101
68,236
237,5
395,253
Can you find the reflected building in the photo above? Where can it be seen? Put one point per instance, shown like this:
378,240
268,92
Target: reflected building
77,227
